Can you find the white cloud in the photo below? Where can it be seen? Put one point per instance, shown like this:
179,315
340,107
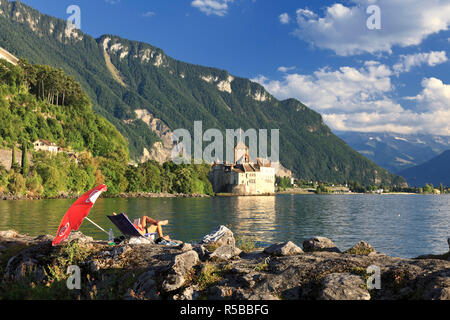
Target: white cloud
407,62
346,89
148,14
285,69
344,29
284,18
435,95
353,99
212,7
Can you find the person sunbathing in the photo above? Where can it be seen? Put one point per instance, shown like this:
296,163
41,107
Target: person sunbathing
149,225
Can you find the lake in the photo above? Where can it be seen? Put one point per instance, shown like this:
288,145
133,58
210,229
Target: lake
398,225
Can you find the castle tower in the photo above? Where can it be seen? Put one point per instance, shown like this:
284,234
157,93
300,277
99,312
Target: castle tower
241,153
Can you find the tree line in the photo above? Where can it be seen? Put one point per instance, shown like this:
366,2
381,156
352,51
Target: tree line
38,102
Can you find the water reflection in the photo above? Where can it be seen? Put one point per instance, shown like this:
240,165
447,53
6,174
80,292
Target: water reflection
255,217
401,225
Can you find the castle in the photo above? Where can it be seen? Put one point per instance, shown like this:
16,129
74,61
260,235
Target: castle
243,177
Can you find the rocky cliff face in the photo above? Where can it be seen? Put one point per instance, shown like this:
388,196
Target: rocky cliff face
214,269
8,56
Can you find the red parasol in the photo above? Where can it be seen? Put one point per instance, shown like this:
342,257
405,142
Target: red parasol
74,217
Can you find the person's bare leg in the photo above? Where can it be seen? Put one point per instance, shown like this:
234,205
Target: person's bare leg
154,224
160,232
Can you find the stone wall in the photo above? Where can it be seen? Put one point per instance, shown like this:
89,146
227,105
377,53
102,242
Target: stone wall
6,154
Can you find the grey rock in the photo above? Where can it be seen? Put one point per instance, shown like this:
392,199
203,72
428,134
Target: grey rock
44,238
178,269
283,249
343,286
247,280
220,293
189,293
140,240
445,294
184,247
265,296
146,286
118,251
173,282
77,235
225,253
184,262
26,262
220,236
319,244
201,251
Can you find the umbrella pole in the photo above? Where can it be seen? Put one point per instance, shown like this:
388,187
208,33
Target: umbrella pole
96,225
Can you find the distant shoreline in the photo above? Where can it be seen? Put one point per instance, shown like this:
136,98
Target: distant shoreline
131,195
161,195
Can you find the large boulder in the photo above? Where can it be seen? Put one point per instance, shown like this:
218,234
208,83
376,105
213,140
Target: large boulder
283,249
343,286
27,263
219,237
185,247
202,252
179,269
225,253
184,262
361,248
146,286
319,244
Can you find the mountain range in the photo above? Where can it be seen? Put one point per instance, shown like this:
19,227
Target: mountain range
146,95
434,171
397,152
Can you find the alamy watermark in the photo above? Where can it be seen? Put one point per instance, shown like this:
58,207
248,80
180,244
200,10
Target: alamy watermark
374,20
374,280
214,151
74,279
74,19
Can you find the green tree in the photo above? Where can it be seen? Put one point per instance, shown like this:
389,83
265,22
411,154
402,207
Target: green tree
428,188
322,189
14,165
25,166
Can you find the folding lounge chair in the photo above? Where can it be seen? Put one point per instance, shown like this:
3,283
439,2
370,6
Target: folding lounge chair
125,226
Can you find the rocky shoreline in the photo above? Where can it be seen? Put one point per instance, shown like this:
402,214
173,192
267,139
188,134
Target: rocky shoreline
215,268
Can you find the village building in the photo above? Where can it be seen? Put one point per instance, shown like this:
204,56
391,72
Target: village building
45,145
48,146
243,177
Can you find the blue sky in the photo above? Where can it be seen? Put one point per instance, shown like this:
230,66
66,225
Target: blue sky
392,78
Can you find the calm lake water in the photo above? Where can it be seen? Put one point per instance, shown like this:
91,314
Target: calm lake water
399,225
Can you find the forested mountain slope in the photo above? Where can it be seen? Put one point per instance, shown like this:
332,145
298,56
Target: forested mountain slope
143,93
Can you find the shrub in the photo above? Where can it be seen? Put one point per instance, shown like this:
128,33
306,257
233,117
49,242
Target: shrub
16,183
